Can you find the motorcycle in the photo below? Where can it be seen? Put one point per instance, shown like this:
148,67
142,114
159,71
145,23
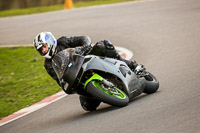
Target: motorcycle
105,79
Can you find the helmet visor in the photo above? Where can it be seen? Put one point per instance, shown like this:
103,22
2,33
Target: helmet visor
44,49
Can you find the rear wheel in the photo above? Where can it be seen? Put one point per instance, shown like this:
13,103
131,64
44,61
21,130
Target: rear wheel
151,84
110,95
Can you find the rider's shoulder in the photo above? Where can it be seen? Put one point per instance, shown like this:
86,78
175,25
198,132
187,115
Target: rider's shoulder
63,38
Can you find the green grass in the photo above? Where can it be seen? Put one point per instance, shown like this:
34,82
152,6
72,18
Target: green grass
97,2
23,79
17,12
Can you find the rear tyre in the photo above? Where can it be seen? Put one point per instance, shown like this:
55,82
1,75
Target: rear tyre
151,84
112,96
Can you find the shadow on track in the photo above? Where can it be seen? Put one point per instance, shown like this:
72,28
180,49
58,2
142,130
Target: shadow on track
78,115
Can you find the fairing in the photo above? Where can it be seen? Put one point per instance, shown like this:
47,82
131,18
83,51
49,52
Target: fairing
67,65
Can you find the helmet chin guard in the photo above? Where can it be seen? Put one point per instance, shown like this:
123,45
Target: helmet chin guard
45,38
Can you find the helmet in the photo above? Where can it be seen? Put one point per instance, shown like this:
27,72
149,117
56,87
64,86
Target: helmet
43,39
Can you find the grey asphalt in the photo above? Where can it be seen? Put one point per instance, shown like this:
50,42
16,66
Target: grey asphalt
164,36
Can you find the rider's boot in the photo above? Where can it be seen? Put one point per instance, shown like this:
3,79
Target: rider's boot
140,70
89,104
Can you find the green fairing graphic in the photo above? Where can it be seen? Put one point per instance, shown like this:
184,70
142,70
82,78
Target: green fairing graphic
96,83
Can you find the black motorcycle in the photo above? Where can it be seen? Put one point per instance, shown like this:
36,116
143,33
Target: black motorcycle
105,79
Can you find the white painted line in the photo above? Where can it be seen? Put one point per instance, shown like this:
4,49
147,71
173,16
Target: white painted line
30,109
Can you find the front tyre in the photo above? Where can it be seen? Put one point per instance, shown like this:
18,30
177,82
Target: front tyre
112,96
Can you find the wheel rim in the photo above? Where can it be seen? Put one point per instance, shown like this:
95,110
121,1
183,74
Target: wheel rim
112,90
115,92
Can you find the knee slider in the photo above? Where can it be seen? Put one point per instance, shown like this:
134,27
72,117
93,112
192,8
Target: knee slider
109,45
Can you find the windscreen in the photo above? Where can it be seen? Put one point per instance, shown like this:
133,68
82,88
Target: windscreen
60,62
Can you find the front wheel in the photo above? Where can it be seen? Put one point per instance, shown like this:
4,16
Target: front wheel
112,96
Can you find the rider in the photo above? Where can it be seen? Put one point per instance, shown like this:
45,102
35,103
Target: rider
46,44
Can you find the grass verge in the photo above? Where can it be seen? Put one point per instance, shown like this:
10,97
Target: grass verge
23,79
17,12
97,2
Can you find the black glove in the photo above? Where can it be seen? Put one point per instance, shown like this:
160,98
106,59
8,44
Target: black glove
78,50
83,50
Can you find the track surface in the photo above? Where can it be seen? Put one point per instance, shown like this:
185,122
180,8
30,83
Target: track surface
163,34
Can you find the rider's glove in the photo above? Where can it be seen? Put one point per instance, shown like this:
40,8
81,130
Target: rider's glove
78,50
139,69
86,49
82,50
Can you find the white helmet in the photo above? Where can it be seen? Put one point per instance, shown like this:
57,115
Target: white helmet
45,38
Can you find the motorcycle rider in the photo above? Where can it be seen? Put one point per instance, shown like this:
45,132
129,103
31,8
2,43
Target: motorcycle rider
46,44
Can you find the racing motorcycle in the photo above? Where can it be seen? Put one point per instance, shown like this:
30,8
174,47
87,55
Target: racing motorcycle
105,79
